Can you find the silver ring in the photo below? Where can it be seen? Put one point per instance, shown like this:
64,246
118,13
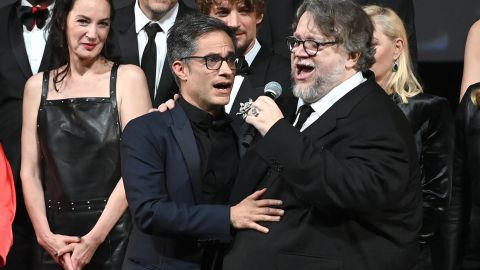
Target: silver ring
254,111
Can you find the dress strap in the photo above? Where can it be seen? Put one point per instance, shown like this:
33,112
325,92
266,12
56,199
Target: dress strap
113,93
45,81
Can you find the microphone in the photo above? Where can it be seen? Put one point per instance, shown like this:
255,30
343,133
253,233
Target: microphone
272,90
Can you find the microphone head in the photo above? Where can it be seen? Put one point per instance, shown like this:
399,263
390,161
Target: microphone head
273,89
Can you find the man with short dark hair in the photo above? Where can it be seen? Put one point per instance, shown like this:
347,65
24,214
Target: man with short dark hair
259,64
346,171
178,166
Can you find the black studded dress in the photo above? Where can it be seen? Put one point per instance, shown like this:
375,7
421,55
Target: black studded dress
79,140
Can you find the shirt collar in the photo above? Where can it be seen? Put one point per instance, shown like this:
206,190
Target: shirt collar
166,22
323,104
26,3
250,55
200,117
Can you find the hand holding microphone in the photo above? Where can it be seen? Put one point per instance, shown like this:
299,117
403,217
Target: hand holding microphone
263,113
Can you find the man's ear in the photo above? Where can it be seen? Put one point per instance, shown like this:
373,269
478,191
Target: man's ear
180,69
352,60
259,19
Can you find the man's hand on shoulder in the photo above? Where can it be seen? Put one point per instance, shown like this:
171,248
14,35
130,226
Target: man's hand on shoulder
167,105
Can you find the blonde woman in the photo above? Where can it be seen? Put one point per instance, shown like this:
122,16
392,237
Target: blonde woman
464,213
430,119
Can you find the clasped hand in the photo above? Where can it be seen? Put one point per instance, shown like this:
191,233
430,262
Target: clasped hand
75,253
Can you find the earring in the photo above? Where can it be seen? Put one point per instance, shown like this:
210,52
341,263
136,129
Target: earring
395,67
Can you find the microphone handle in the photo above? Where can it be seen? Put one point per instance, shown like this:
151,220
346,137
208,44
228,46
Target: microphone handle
251,131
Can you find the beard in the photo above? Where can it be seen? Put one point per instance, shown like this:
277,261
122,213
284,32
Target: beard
323,83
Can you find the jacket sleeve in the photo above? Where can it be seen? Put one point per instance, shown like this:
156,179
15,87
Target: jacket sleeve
368,170
436,163
143,151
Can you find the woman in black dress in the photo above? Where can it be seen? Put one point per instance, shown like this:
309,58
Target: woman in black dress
431,122
464,214
72,122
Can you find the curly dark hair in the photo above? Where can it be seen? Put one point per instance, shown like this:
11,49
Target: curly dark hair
58,45
258,6
347,23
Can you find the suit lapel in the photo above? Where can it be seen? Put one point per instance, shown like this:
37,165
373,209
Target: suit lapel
15,33
245,92
183,133
165,85
46,58
341,109
127,37
259,67
239,126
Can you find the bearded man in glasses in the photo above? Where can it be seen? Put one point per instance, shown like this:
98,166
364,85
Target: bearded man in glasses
344,166
178,166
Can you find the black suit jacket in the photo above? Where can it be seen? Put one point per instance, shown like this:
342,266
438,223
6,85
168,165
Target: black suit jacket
123,27
350,189
266,67
461,226
14,73
163,183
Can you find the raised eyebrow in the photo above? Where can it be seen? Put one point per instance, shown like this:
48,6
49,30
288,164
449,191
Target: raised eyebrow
80,16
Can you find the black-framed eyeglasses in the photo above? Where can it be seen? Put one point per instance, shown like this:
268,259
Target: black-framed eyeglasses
214,61
310,46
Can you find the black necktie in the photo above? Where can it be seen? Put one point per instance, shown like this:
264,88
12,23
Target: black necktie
304,113
243,68
149,57
31,16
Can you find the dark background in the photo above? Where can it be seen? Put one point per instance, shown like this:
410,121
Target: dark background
442,27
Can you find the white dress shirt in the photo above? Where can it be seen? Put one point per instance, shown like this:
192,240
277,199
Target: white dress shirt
166,22
35,41
249,57
321,106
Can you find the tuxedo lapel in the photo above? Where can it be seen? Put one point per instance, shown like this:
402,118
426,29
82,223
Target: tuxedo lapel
165,85
127,37
239,126
183,133
259,67
15,33
245,92
46,58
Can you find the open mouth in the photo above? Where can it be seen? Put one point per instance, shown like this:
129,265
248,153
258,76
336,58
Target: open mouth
303,70
223,86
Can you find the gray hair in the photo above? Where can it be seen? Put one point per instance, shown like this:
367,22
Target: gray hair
345,21
182,40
